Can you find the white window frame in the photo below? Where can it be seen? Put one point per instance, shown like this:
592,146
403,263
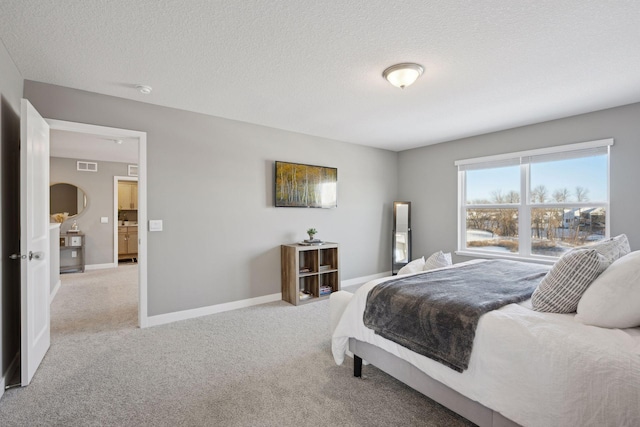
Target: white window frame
525,206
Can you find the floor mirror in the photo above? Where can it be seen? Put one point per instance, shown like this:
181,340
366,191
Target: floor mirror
401,243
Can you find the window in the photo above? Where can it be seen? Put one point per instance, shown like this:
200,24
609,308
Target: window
534,204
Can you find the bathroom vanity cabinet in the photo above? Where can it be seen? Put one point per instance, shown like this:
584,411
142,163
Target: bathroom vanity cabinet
128,242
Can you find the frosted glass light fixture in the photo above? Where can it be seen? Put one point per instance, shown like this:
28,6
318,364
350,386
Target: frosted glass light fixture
403,75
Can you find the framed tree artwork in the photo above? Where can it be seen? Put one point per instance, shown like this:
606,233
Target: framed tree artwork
305,186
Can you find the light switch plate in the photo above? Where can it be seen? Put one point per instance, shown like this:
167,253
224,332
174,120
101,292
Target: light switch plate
104,220
155,225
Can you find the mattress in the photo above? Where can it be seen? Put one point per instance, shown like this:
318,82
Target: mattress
537,369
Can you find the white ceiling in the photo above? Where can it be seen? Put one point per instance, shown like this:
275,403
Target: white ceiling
315,66
83,146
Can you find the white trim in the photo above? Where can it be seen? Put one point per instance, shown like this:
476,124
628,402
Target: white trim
499,255
363,279
537,152
100,266
524,212
54,291
116,133
162,319
6,375
607,222
462,189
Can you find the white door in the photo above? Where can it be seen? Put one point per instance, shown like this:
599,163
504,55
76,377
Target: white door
34,240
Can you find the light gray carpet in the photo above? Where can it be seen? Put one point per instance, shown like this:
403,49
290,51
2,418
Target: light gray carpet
268,365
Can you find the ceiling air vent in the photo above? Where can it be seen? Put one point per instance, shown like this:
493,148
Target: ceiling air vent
87,166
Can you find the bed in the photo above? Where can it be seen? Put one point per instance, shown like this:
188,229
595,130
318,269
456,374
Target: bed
526,368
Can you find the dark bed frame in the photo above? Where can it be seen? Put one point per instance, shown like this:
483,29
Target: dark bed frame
418,380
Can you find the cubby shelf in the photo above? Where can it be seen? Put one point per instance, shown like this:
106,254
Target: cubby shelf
306,270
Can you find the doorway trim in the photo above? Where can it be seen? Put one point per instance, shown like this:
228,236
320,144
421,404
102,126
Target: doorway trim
143,320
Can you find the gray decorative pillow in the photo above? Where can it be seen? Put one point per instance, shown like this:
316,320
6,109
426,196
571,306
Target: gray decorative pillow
561,289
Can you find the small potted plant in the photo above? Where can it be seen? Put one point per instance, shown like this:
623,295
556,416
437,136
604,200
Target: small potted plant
312,232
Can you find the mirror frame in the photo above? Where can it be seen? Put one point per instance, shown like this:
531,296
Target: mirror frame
396,266
85,199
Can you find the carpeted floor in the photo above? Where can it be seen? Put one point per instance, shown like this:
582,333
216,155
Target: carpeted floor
268,365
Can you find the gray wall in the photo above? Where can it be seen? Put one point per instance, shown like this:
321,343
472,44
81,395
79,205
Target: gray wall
10,93
428,177
211,181
98,186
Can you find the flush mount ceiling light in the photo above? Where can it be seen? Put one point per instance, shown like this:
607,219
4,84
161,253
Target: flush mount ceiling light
403,75
144,89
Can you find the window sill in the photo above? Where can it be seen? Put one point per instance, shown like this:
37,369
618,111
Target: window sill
478,254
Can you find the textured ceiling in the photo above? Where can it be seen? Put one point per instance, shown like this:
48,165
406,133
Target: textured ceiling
83,146
315,66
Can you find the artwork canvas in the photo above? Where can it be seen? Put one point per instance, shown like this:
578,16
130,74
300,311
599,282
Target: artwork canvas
305,186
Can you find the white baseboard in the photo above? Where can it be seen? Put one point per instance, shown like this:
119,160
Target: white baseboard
6,376
162,319
54,291
363,279
99,266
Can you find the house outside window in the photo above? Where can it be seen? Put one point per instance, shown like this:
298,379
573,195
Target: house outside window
535,204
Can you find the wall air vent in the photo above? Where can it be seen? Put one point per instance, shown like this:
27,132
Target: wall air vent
87,166
133,170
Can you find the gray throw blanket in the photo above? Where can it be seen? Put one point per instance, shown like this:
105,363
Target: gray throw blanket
436,313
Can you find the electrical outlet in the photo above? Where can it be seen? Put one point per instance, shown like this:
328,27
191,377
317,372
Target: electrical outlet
74,254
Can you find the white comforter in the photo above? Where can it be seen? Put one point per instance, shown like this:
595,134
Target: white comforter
538,369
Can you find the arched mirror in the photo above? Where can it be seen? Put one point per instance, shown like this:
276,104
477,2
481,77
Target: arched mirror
66,198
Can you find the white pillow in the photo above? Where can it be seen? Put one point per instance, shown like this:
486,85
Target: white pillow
437,260
611,249
561,289
613,299
413,267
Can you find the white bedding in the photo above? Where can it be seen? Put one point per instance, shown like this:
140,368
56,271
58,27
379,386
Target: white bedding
537,369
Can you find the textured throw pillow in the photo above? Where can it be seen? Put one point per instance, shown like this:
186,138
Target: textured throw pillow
611,249
413,267
437,260
561,289
613,299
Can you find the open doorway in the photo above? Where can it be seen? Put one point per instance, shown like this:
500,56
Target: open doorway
88,148
125,202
